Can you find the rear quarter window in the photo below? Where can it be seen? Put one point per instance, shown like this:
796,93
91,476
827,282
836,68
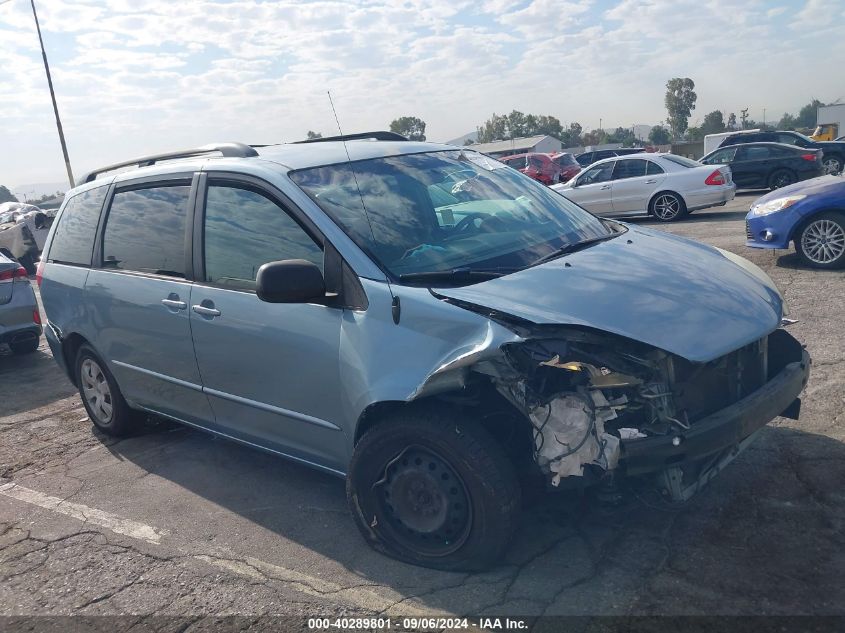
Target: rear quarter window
73,240
145,230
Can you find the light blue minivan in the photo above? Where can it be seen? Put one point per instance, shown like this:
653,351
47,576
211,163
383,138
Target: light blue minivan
437,328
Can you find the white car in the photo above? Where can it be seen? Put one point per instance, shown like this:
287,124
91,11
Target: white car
663,185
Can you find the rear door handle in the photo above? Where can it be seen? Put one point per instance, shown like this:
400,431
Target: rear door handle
604,187
175,304
212,312
650,182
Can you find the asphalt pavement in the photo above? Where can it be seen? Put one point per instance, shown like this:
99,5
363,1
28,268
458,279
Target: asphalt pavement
175,522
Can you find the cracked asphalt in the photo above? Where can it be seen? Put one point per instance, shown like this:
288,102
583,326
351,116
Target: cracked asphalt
175,522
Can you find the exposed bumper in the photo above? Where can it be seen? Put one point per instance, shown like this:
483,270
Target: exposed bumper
725,428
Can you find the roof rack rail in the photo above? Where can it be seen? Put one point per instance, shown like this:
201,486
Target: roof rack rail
368,136
229,150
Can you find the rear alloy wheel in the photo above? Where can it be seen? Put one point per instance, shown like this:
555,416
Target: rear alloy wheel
832,165
101,396
433,489
781,178
821,243
667,207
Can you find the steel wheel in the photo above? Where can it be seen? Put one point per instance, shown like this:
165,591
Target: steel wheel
667,207
823,241
96,391
425,502
832,165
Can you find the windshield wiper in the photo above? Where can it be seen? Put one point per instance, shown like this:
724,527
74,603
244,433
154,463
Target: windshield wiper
455,274
571,248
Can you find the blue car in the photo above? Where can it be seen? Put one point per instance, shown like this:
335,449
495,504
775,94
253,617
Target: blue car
810,213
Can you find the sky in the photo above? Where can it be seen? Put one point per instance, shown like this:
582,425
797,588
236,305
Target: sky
135,77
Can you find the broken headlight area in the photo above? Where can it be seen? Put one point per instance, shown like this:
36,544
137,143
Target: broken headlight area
588,397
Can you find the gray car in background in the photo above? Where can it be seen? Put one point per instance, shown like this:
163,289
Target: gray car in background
433,326
20,322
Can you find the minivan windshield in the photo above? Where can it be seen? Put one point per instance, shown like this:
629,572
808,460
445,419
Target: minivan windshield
427,215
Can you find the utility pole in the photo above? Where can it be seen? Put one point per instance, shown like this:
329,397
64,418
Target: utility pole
53,97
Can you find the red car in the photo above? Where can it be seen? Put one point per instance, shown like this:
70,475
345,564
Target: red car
540,167
569,167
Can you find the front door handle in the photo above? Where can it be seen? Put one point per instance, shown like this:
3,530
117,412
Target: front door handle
175,304
604,187
203,310
650,182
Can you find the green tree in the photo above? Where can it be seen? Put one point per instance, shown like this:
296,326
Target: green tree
808,115
410,127
6,195
622,135
680,102
694,134
518,124
731,121
493,129
714,123
312,135
659,135
571,137
787,122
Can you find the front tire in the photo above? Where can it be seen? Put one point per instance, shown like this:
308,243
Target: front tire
432,488
667,206
821,242
101,396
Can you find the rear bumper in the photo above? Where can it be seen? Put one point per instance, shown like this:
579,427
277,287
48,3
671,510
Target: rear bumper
728,427
710,197
17,321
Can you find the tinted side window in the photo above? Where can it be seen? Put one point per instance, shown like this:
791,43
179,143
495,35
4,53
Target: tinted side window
723,156
73,242
245,229
599,173
654,168
585,159
535,162
145,230
752,153
629,168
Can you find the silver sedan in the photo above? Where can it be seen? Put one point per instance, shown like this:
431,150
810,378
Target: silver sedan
20,322
666,186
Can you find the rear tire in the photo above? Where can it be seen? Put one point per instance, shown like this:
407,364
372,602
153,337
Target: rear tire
832,164
667,206
821,242
101,396
432,488
781,178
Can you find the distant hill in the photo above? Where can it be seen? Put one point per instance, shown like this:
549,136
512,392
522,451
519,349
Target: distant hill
38,189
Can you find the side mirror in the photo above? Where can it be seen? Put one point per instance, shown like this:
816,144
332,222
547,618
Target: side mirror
290,281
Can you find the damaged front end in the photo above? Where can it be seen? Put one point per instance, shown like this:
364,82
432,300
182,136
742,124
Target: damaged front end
599,403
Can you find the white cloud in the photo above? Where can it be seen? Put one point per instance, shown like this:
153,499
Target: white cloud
135,76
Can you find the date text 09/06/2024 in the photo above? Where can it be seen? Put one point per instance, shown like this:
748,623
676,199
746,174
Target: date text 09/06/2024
417,624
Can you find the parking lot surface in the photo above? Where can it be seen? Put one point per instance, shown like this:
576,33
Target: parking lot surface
175,522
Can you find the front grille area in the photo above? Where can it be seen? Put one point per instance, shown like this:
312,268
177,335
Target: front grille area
702,389
748,234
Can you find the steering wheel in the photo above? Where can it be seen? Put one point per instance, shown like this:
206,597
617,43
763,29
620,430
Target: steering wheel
465,222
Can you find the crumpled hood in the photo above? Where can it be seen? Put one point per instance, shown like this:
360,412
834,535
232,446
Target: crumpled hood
687,298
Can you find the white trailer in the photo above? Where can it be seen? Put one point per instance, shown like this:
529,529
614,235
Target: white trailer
832,114
712,141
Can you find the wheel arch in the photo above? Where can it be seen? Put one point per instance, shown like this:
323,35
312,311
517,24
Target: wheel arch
663,192
799,226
